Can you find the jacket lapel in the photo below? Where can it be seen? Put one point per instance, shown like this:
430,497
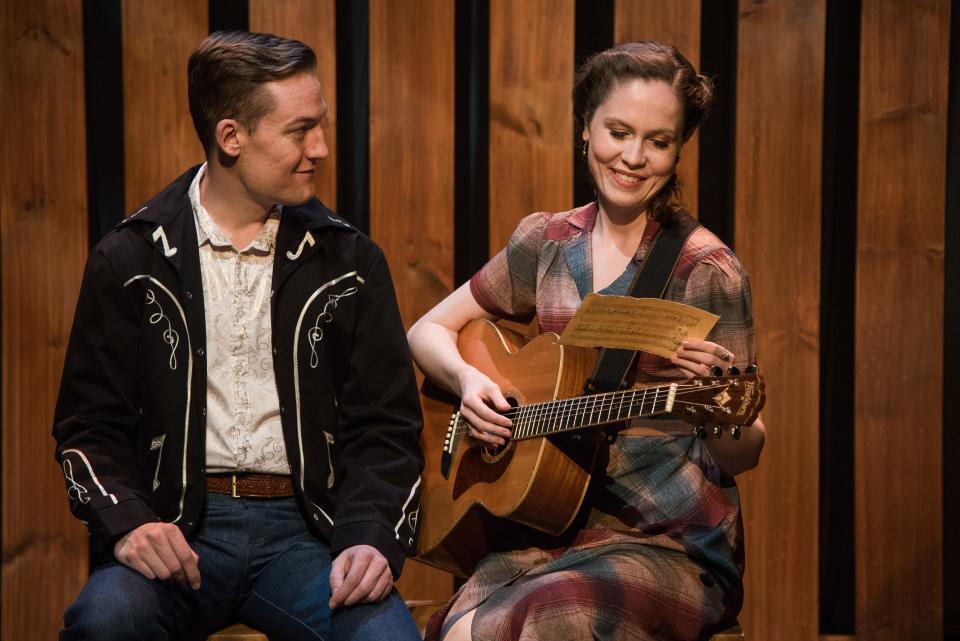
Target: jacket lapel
300,237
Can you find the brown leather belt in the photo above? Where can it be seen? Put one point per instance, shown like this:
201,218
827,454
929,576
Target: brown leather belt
250,485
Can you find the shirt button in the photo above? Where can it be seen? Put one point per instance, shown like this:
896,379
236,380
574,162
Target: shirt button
203,411
189,295
283,410
200,351
275,351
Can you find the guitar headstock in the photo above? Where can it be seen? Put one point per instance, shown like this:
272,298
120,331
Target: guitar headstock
733,400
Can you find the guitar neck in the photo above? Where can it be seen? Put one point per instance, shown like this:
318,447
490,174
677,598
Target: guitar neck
581,412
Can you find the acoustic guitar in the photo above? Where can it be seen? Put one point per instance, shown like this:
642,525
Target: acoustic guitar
478,499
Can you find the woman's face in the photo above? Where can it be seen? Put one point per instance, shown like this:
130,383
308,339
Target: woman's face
633,143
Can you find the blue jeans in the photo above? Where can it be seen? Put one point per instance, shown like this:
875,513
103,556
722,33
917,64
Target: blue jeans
259,564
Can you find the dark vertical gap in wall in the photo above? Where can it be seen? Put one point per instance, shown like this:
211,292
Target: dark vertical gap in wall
951,344
837,316
228,15
103,91
471,139
593,32
718,134
353,111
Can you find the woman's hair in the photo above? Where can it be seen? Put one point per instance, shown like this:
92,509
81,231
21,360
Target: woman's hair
226,74
647,60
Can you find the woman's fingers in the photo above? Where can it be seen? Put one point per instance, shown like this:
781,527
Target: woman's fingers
484,430
697,358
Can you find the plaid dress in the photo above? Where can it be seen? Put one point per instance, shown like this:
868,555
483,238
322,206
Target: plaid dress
660,553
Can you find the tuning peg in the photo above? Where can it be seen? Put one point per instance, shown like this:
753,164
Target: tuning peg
736,432
717,431
716,370
753,368
700,431
733,371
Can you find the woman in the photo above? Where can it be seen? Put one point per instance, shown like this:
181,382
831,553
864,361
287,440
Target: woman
660,553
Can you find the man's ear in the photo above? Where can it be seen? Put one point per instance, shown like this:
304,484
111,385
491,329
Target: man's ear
228,135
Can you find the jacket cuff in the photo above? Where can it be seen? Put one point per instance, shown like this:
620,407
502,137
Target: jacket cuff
373,534
110,523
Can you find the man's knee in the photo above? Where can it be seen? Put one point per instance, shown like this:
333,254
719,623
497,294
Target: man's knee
106,622
115,606
386,620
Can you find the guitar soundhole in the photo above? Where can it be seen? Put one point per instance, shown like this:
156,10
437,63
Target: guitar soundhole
492,453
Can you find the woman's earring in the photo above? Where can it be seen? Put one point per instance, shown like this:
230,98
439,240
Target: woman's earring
584,148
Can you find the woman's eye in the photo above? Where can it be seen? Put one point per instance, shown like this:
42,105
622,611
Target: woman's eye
619,135
661,144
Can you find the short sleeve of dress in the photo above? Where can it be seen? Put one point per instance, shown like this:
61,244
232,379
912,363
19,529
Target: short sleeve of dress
507,285
719,284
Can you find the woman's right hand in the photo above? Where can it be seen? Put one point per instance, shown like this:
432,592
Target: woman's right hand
477,394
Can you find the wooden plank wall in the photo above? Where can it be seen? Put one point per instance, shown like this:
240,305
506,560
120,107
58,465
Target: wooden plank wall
899,308
313,22
159,139
779,107
43,226
678,23
531,123
411,174
777,229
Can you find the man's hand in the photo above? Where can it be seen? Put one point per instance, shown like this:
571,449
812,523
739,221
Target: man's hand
360,574
159,551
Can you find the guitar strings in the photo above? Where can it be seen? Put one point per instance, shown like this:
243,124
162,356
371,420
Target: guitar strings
538,413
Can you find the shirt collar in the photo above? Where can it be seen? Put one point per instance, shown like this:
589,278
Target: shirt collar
209,231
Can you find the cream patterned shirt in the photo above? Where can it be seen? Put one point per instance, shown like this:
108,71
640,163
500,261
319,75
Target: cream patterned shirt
243,408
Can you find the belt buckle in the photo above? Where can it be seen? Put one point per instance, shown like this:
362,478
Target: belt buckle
233,486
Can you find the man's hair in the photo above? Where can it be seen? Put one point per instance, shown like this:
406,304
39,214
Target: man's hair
226,73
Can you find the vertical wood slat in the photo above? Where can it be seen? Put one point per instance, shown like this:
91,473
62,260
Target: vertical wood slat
531,124
778,166
313,22
411,175
159,139
676,23
899,311
43,226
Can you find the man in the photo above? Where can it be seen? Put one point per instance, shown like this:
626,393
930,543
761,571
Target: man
238,420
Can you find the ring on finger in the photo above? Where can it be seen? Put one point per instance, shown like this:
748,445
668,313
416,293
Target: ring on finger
725,355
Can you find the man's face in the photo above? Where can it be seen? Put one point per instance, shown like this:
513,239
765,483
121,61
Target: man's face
277,159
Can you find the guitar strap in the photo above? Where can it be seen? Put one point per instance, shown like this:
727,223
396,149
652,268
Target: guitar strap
650,282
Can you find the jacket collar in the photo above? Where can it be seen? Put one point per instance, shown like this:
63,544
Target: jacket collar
167,223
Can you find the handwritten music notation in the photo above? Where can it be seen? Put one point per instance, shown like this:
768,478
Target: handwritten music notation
649,325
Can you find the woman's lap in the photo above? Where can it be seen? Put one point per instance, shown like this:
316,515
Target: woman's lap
643,593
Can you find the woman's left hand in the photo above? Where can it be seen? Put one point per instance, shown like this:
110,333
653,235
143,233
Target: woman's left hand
697,358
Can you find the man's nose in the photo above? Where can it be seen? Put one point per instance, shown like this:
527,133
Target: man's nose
316,148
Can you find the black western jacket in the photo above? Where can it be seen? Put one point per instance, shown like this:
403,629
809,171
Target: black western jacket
130,421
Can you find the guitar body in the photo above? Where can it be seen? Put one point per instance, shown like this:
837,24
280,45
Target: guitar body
477,500
530,490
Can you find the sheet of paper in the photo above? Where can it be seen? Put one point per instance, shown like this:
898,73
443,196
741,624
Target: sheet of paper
645,324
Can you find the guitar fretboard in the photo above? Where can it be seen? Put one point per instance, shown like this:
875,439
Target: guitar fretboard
552,417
